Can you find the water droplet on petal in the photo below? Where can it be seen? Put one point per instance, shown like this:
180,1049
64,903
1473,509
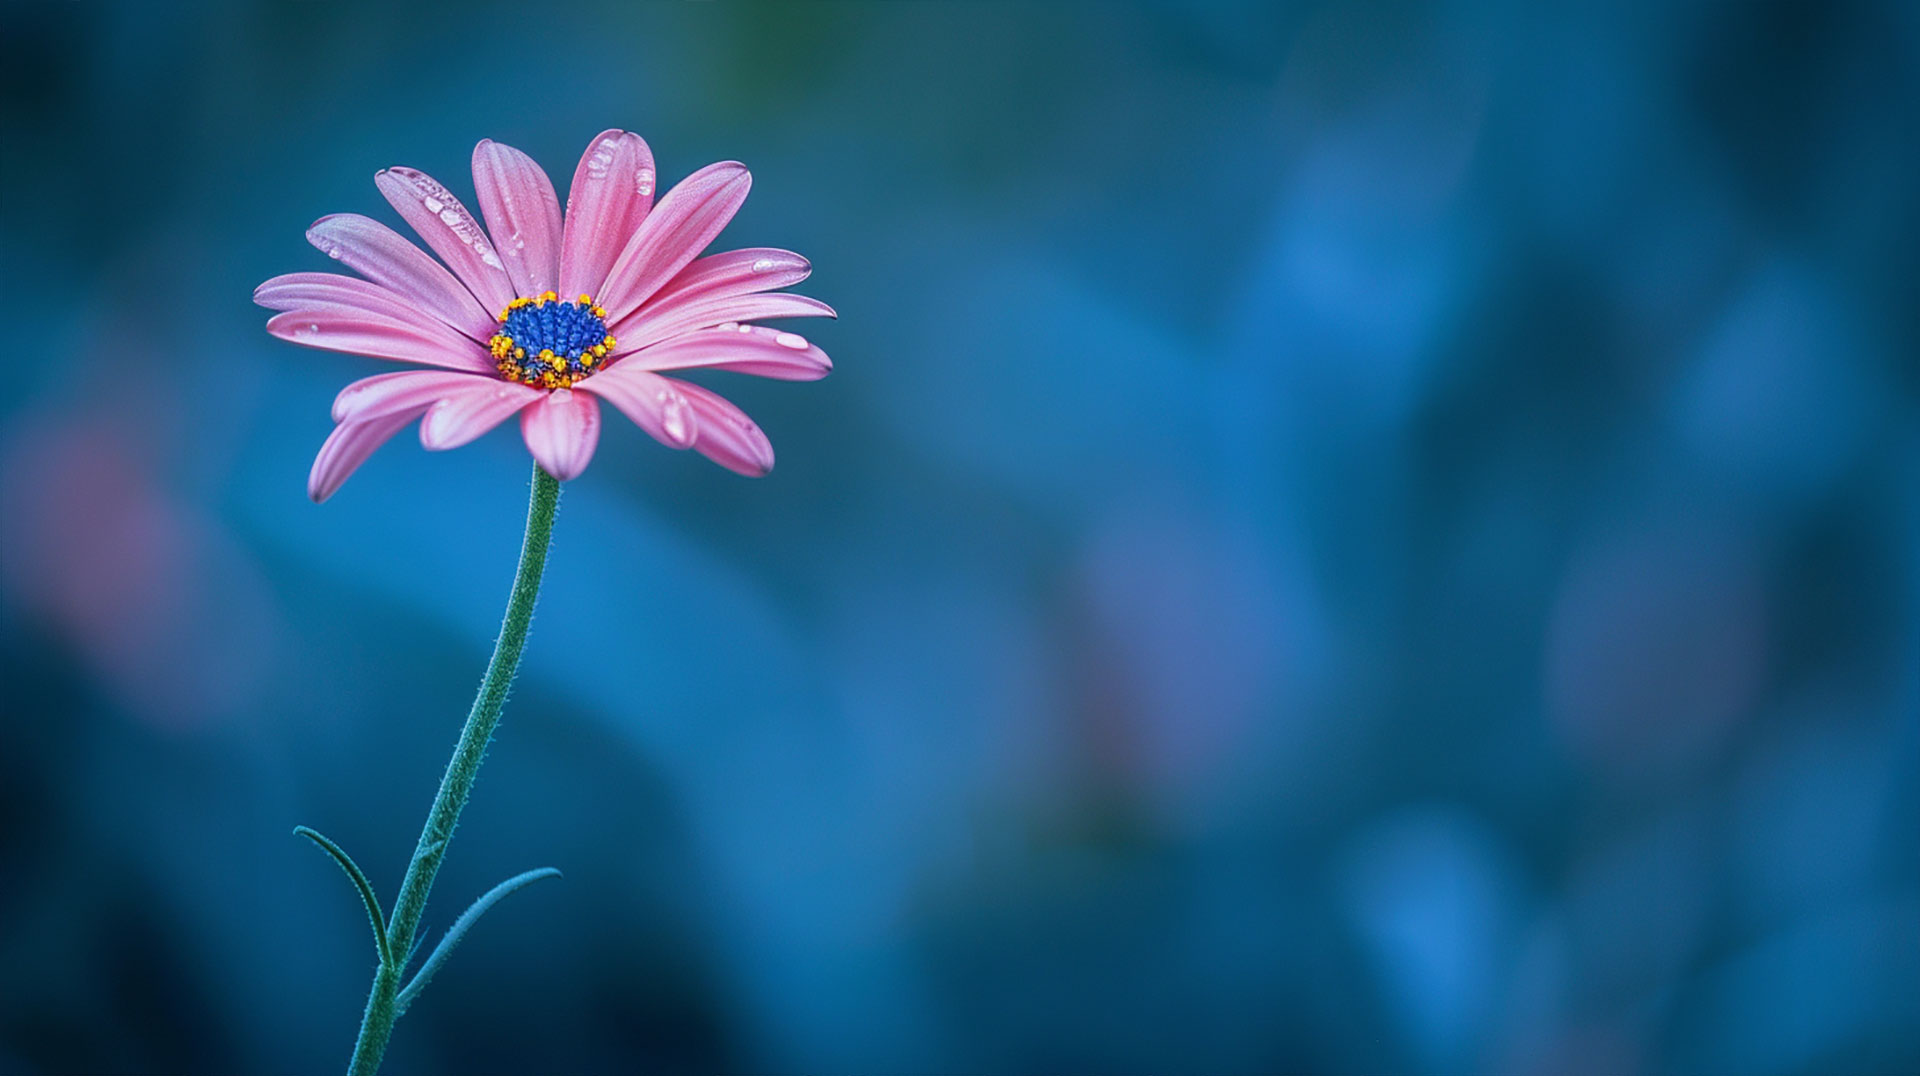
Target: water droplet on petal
673,414
434,205
602,157
792,340
643,181
448,216
764,265
745,328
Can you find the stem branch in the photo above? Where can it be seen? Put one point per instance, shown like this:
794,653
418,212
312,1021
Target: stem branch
376,1027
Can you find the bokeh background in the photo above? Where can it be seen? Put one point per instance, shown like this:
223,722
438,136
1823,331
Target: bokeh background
1342,538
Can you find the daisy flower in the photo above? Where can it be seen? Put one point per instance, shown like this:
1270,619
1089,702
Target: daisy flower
547,316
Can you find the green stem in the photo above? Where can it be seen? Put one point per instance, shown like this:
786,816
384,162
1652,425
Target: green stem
377,1025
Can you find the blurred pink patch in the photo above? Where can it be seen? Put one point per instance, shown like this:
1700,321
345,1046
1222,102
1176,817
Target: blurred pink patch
1187,649
1655,649
165,609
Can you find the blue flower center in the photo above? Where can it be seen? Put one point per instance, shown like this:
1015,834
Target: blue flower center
548,343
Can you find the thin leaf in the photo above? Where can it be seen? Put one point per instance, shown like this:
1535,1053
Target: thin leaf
419,940
360,880
459,930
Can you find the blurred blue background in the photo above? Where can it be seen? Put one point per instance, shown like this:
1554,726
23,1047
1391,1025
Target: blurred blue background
1342,537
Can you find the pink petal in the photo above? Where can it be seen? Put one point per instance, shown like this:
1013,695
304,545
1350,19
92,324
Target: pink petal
727,436
561,432
746,349
336,329
383,256
677,230
523,215
451,231
386,394
466,413
611,193
348,447
655,404
735,272
349,294
656,322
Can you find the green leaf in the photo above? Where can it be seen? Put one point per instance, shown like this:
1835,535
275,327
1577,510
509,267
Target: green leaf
359,880
418,940
460,927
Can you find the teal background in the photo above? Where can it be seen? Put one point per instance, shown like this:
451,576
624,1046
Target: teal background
1341,538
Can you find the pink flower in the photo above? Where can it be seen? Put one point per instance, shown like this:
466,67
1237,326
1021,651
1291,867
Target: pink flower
546,320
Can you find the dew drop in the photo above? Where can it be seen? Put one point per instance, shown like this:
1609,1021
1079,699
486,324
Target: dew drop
673,415
643,181
449,217
792,340
745,328
434,205
764,265
727,326
602,157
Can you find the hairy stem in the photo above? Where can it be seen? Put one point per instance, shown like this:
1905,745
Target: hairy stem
376,1027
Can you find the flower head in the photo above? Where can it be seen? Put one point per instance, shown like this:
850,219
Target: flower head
545,315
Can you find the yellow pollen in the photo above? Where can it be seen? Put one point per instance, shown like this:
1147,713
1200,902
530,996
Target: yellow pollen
548,368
